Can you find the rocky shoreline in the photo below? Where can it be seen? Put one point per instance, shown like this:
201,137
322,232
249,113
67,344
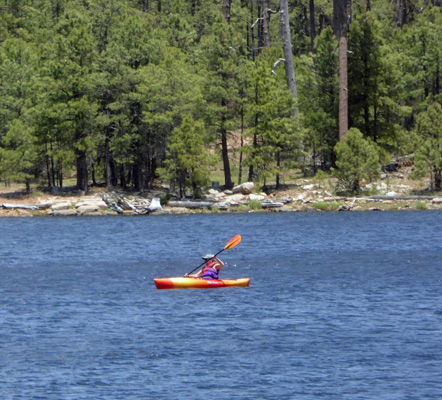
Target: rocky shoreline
306,198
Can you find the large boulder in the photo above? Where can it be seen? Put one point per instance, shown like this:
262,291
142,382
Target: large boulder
245,188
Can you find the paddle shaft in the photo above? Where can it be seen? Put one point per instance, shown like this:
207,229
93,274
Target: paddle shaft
199,266
232,243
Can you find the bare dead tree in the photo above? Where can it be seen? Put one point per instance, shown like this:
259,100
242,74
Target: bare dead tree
341,24
288,54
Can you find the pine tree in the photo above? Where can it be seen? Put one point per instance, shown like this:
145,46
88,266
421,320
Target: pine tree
319,99
223,54
357,158
18,155
274,129
373,84
187,163
428,159
69,65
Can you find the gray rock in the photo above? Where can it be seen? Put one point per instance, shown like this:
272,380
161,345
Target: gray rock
60,206
234,198
245,188
309,187
82,210
268,204
24,213
258,197
92,202
64,213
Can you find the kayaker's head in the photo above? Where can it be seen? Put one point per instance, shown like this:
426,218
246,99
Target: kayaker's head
208,257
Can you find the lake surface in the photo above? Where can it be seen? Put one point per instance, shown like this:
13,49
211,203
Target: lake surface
340,306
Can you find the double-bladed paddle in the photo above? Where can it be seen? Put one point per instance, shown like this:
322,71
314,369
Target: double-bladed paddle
232,243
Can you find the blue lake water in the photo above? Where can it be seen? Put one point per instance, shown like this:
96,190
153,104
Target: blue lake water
340,306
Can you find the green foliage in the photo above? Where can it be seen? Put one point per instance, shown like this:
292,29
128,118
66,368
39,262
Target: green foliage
275,133
254,205
420,59
428,157
326,206
187,163
320,177
19,151
357,158
373,82
19,160
420,205
164,200
321,205
318,79
107,84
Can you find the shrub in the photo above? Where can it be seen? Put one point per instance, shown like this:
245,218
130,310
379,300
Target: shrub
357,158
321,205
255,205
319,177
326,206
420,205
164,199
242,208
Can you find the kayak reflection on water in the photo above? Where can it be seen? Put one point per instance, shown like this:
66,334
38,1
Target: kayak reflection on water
211,268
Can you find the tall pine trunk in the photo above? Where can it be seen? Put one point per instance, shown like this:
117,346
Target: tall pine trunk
226,10
81,157
82,173
224,146
312,24
401,14
226,163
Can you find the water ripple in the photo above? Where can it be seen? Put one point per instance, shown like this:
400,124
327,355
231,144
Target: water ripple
341,306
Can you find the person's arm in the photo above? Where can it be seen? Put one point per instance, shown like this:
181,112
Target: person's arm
196,274
220,264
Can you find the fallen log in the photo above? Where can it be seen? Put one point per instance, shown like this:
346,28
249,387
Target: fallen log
25,206
267,204
191,204
379,197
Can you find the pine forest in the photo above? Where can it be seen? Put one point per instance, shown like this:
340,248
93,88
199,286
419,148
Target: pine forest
128,93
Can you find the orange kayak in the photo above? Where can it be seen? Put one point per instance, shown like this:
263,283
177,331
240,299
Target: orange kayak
183,282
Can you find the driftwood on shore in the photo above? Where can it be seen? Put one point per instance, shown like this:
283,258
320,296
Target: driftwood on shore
241,198
397,197
26,206
191,204
120,203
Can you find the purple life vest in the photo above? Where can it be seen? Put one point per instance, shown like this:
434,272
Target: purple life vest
209,273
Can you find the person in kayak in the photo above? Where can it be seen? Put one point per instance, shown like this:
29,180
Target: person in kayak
211,269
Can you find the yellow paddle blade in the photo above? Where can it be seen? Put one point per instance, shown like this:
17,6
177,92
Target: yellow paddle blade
233,242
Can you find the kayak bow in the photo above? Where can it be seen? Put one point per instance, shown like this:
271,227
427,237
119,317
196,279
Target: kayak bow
197,283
